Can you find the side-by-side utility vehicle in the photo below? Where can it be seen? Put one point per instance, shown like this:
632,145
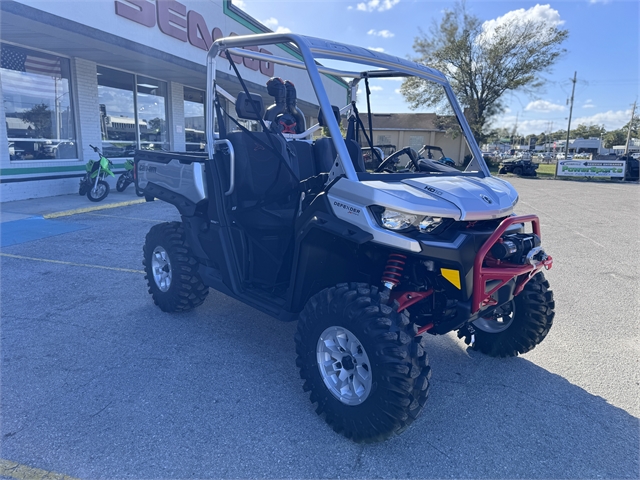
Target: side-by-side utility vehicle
369,263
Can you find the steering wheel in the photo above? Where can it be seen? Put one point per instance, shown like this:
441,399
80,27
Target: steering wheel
392,159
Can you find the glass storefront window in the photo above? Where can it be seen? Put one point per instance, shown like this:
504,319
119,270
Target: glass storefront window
194,120
36,90
132,113
117,113
152,117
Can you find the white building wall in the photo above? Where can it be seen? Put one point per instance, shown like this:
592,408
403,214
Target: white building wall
4,143
88,108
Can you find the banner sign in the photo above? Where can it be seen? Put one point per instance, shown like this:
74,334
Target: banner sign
591,168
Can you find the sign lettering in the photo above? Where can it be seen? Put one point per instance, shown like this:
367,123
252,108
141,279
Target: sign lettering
174,20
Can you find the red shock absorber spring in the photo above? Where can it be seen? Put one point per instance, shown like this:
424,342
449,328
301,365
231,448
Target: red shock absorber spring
393,271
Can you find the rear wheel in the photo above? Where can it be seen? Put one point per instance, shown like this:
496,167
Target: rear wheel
171,269
362,363
517,171
99,192
502,171
516,327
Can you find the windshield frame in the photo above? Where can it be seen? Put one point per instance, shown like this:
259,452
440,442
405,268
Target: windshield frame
312,49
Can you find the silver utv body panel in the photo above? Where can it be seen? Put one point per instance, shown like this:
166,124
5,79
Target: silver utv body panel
187,180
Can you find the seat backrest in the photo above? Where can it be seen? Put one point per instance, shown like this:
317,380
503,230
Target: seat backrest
259,171
325,154
304,158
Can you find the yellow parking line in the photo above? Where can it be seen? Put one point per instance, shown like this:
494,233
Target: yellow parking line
20,257
126,218
24,472
67,213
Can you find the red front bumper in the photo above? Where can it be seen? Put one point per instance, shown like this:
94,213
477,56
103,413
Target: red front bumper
503,272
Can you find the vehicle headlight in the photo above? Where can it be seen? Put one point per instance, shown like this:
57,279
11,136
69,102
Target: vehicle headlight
429,224
394,220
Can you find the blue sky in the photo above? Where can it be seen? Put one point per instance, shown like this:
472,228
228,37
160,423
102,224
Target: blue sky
603,47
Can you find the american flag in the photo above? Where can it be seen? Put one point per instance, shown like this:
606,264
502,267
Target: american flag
14,59
26,75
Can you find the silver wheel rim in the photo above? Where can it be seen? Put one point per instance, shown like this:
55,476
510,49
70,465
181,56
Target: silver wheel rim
499,322
344,365
99,191
161,266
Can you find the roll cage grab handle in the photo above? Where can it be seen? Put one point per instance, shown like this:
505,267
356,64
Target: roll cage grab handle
312,48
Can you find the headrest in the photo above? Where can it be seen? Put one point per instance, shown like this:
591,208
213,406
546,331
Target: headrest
336,113
249,108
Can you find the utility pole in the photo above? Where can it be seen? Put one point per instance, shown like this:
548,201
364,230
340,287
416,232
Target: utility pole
566,147
626,147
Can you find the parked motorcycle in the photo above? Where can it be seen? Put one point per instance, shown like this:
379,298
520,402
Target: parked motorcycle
126,178
93,184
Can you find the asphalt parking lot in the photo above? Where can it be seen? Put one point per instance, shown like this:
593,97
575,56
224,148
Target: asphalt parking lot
97,382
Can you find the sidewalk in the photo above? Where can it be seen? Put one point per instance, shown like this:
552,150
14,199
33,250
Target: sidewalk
62,205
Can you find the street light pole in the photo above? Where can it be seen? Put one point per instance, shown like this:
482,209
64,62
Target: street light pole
566,147
626,146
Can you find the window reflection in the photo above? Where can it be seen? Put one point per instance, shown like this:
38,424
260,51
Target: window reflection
194,120
36,91
152,113
117,113
122,130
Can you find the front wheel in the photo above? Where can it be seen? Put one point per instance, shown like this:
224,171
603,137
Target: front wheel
99,192
122,183
171,269
362,363
516,327
517,171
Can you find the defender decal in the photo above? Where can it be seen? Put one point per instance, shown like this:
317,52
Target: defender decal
349,208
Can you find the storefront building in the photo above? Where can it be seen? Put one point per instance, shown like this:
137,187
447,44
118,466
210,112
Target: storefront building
120,75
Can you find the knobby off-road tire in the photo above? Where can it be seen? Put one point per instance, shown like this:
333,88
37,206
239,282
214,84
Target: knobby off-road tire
122,183
525,327
502,171
99,192
517,171
383,341
171,269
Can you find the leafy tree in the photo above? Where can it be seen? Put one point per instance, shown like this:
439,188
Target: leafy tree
615,137
587,131
40,117
482,65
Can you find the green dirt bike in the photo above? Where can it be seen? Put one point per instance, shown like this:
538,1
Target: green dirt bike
125,179
93,184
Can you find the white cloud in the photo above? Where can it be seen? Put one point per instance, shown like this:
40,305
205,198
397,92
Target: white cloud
397,90
350,7
376,49
240,4
604,2
588,104
544,106
381,33
272,23
540,14
376,88
611,120
377,5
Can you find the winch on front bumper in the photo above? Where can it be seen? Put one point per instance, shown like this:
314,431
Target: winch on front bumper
490,273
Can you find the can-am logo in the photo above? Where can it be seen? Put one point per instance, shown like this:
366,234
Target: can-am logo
430,189
349,208
174,20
